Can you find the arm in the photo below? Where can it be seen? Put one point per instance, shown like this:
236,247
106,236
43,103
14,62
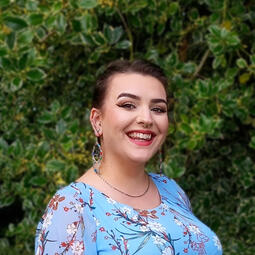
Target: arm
66,227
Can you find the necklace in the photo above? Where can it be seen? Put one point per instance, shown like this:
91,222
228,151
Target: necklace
124,193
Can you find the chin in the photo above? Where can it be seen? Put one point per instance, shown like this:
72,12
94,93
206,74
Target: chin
140,159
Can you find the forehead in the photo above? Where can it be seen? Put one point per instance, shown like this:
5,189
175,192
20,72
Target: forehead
144,86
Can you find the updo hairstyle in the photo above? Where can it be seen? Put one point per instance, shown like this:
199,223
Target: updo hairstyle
124,66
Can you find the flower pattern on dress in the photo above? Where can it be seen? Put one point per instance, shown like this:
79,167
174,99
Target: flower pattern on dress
217,242
81,220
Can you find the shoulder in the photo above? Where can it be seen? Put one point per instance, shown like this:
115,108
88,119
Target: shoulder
75,195
171,189
63,222
163,181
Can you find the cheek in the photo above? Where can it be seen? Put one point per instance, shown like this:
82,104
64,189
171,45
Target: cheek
116,120
163,125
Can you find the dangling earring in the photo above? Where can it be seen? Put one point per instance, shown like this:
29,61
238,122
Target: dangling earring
161,163
97,155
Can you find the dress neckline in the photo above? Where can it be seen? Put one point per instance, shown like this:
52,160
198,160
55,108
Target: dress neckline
126,205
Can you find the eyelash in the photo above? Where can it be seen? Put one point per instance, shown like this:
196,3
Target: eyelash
131,106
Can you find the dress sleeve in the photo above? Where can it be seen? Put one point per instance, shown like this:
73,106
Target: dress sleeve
66,226
182,197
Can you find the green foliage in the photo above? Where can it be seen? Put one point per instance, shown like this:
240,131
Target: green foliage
50,53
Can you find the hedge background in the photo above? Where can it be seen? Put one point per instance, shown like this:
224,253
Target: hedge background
50,53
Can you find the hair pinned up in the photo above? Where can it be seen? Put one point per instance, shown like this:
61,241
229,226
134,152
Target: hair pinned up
124,66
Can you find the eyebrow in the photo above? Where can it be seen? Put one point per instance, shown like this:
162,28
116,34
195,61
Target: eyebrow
154,100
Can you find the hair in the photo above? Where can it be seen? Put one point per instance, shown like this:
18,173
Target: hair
124,66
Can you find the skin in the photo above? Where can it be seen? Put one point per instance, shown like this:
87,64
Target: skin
133,102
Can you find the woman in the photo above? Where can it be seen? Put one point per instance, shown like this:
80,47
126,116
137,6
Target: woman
116,207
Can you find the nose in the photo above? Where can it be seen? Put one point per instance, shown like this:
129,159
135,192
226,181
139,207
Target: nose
144,117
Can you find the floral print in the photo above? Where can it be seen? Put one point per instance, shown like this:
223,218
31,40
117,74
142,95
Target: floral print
80,220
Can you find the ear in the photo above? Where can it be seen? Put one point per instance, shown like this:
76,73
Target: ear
96,121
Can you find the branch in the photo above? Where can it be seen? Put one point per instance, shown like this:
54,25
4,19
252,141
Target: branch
129,34
201,64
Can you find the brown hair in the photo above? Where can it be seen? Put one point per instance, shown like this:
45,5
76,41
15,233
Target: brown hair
124,66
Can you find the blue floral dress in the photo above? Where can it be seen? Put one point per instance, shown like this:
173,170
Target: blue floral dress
81,220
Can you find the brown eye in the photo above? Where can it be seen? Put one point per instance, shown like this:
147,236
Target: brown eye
158,110
127,106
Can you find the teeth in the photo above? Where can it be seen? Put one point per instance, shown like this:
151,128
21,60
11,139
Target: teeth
140,135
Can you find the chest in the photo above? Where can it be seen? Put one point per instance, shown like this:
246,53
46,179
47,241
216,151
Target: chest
164,230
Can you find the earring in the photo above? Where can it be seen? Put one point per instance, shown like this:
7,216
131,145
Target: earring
97,155
161,163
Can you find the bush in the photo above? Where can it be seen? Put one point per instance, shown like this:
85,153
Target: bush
50,53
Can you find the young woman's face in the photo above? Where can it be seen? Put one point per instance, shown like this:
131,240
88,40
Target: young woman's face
134,117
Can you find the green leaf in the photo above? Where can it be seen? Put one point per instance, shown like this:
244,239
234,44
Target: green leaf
61,127
88,23
173,8
36,74
252,143
135,6
172,60
191,145
15,23
88,4
244,78
6,63
43,149
241,63
125,44
99,39
35,19
46,117
93,58
231,73
206,124
186,129
252,59
6,201
66,113
233,40
174,169
57,6
189,68
4,3
55,106
74,126
3,145
113,34
215,30
219,61
25,37
3,51
55,165
16,148
31,5
50,22
61,23
218,50
38,180
193,14
41,33
10,40
67,143
72,173
49,133
16,84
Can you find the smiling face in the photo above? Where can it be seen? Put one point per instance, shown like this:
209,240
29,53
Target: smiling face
133,120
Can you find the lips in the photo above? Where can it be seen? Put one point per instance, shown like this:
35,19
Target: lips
141,137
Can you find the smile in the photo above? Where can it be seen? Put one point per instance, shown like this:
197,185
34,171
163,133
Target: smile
142,138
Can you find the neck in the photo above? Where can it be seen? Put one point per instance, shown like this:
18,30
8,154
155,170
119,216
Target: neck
123,173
